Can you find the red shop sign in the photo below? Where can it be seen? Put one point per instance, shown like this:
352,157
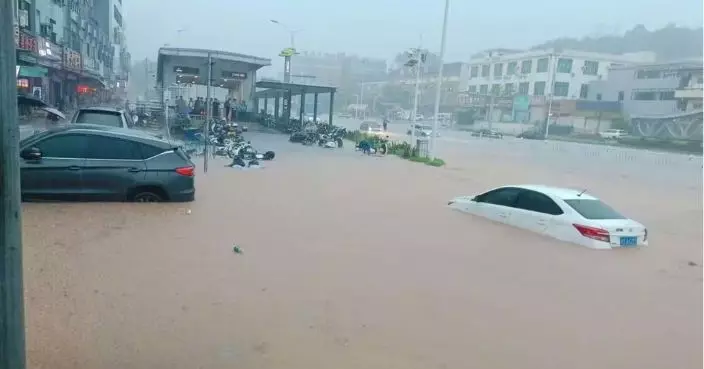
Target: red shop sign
28,42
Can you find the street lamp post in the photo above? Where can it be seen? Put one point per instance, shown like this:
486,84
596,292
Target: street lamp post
438,90
292,40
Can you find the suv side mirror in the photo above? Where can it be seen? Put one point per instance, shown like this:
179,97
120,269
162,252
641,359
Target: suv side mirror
31,153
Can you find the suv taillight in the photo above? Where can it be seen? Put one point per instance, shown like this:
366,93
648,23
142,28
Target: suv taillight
186,171
593,233
645,235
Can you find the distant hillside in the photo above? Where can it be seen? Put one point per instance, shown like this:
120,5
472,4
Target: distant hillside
669,43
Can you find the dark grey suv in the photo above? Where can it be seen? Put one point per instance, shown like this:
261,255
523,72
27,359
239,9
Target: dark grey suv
80,162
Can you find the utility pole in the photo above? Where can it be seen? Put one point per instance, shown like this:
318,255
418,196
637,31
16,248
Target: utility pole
12,341
553,75
208,112
438,90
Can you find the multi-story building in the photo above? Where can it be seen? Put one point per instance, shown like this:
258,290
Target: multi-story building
519,85
564,74
63,50
455,77
652,89
661,100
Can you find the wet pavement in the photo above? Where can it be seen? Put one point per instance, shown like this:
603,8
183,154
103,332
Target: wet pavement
354,262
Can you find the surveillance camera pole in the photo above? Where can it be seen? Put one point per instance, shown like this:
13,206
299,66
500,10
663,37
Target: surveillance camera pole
12,341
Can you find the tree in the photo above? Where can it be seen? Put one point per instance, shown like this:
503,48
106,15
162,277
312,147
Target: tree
668,43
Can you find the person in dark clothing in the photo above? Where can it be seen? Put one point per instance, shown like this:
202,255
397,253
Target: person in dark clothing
365,146
385,123
226,105
216,108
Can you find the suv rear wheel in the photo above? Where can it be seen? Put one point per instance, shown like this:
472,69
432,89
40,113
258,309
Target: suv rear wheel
148,194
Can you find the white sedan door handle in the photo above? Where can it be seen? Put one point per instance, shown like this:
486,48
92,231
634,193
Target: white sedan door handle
503,215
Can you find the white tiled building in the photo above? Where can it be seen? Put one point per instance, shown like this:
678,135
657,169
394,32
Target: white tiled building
564,73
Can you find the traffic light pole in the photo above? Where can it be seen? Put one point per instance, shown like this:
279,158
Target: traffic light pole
12,350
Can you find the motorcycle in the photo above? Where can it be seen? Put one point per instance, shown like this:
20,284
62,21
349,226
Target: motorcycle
327,141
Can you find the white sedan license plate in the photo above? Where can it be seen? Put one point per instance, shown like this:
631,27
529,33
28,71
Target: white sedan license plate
629,241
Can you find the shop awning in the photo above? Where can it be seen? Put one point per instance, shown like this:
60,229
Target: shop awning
33,72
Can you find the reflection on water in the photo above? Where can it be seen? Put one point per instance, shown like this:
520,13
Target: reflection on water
354,262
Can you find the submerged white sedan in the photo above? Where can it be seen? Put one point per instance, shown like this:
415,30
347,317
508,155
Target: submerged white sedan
565,214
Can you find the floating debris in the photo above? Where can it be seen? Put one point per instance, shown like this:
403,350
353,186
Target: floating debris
237,250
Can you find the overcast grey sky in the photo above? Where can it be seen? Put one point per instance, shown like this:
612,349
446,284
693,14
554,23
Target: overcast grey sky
380,28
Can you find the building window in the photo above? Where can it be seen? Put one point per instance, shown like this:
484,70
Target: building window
485,70
621,95
511,68
584,91
542,65
539,88
649,74
483,89
590,68
472,89
474,72
644,95
526,66
498,69
667,95
508,89
598,97
564,65
561,89
495,89
523,88
652,95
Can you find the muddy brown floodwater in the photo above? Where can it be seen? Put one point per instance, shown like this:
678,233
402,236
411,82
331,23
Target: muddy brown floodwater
354,262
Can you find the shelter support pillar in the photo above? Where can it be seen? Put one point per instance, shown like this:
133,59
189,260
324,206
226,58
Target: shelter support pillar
332,103
277,97
287,107
302,108
266,104
315,107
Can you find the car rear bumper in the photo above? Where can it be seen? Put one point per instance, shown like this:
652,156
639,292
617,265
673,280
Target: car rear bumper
183,196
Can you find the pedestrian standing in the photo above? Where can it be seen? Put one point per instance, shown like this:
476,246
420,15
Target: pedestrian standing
227,106
216,109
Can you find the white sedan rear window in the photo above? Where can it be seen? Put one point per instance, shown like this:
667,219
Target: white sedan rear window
100,118
593,209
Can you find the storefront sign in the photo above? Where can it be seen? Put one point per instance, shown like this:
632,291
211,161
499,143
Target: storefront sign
186,70
521,103
27,42
49,50
72,60
91,66
26,57
234,75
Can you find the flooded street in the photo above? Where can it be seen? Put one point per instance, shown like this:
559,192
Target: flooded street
354,262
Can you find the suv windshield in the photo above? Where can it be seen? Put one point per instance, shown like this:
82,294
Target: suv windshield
593,209
103,118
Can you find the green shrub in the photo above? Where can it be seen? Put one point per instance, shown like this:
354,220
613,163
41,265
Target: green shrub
402,149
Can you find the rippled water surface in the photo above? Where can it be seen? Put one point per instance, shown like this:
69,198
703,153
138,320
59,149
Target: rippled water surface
354,262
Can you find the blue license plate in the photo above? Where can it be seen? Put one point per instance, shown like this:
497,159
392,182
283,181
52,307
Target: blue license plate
629,241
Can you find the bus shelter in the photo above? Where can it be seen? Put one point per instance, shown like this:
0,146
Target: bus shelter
281,93
182,67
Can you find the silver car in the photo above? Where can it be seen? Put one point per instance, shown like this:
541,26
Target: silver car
117,118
